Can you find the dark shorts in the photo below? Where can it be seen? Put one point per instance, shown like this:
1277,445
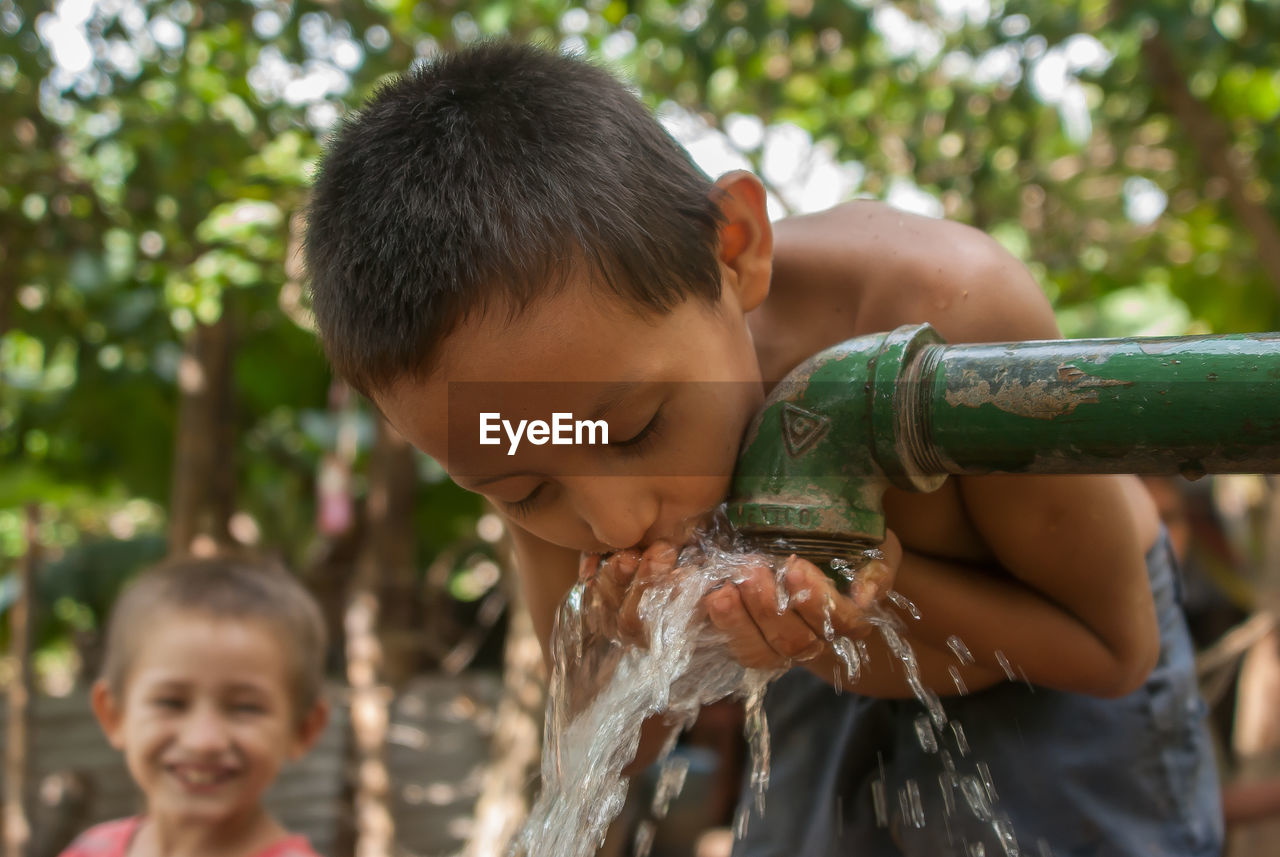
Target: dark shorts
1065,774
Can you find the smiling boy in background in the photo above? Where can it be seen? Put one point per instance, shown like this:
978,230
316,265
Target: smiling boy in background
509,231
211,681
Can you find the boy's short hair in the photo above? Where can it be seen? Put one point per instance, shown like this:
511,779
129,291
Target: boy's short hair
483,179
222,587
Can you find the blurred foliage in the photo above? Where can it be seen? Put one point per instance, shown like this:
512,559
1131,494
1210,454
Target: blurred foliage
154,156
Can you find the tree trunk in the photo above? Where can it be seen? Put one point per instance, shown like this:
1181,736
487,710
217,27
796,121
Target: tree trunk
203,494
374,827
386,554
389,511
1256,738
517,739
17,827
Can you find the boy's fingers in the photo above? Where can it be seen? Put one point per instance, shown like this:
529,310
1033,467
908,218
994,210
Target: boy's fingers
785,632
727,613
617,573
658,560
588,566
815,598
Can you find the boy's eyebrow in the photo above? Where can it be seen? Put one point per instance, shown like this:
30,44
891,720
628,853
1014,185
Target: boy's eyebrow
613,394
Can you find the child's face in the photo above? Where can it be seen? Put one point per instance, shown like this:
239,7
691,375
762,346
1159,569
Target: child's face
677,391
206,718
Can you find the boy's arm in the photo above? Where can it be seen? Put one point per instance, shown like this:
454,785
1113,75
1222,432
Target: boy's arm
1067,600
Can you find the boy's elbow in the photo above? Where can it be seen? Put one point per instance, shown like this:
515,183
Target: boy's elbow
1132,668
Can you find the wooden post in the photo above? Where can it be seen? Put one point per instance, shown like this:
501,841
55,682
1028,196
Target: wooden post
17,827
503,804
202,495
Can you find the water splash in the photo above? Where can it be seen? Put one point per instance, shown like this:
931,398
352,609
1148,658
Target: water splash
671,779
903,603
910,804
602,690
960,650
924,734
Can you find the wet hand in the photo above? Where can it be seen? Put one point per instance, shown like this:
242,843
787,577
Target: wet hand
766,631
615,585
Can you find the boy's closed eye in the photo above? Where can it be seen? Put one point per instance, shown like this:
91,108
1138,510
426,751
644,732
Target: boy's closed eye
640,442
636,445
529,503
169,702
247,707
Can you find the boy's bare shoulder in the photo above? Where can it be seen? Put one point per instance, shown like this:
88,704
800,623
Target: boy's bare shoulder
865,267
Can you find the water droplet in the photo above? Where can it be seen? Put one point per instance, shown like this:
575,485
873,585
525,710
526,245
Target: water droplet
1004,665
984,771
960,650
924,733
945,785
844,568
962,743
959,682
780,588
881,805
911,805
848,656
977,849
671,778
1008,840
645,831
1043,847
976,797
757,732
740,820
904,604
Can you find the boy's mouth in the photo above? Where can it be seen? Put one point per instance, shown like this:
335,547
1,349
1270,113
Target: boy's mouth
201,777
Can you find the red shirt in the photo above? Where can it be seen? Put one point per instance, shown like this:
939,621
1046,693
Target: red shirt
112,838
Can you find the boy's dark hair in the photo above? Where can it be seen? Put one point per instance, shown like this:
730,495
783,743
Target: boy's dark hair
223,587
482,180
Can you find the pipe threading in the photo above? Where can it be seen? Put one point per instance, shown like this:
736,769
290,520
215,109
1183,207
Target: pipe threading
913,403
818,550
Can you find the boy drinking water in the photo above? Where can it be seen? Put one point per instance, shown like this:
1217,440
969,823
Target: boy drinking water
509,233
211,682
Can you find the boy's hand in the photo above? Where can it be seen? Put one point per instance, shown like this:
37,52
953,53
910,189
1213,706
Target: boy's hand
763,637
615,584
747,611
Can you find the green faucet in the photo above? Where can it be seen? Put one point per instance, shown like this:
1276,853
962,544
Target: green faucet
905,409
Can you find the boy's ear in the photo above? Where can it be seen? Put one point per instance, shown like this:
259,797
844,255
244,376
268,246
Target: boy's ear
310,729
109,711
746,237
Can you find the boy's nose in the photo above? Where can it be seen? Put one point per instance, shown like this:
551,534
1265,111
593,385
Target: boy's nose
620,512
204,730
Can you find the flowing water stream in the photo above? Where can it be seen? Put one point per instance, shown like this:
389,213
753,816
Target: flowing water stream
601,691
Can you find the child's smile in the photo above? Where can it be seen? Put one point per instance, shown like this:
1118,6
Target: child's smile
206,720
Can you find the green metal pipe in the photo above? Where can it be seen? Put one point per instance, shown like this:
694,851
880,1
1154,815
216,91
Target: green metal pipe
903,408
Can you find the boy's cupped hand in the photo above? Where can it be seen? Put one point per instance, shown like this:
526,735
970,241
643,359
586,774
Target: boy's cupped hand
762,630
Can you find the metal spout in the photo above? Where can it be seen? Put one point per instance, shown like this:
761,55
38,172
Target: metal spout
905,409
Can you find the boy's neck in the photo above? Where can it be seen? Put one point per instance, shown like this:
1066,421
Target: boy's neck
241,836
